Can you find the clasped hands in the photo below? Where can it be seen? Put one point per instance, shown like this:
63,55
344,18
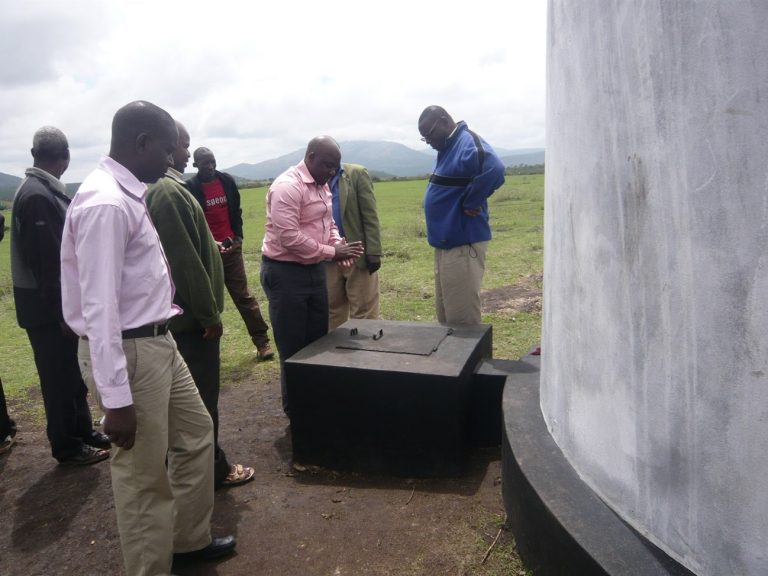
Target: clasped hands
347,253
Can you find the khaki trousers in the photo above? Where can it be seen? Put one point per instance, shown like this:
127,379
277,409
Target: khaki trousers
161,509
458,278
352,293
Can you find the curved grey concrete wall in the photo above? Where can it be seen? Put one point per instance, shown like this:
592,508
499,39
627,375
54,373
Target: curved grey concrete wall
655,327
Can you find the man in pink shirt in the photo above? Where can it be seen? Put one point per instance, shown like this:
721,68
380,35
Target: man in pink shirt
117,295
300,235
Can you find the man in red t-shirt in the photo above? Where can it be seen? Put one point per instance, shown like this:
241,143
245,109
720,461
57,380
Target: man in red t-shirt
217,193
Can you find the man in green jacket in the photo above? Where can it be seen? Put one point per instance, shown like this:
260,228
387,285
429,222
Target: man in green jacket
198,275
353,292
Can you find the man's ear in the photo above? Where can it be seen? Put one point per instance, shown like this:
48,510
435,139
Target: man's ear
141,142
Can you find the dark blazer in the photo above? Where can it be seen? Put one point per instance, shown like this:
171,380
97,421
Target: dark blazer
37,224
233,199
358,210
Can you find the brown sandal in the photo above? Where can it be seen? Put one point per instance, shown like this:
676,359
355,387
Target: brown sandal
7,444
238,474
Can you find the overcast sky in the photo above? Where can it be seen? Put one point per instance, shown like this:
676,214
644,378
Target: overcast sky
255,80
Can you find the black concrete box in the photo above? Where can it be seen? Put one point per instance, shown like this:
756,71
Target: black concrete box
485,420
391,398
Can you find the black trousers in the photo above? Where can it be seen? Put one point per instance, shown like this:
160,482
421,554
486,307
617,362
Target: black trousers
298,308
64,392
203,360
7,426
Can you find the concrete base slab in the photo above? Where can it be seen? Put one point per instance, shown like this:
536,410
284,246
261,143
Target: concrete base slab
560,525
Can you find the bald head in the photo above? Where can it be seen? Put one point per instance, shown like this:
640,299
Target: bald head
322,158
180,156
435,125
50,150
432,113
144,136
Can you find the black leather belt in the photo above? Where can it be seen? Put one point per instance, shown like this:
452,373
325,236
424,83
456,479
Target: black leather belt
287,262
146,331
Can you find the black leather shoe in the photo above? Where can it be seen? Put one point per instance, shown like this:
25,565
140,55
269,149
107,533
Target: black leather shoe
97,440
218,548
85,456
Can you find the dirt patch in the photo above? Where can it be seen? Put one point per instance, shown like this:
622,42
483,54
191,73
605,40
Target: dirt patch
61,521
525,296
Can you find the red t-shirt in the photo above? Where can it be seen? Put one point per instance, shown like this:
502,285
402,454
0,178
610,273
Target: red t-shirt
216,210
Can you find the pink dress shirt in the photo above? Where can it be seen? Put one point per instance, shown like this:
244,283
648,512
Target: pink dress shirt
114,275
300,226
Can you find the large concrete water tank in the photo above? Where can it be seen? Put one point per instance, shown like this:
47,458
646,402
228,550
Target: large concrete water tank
654,375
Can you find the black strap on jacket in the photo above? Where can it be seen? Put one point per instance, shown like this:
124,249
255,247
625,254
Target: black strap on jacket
460,182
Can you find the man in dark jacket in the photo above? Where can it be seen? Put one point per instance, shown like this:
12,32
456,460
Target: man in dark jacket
198,276
217,193
37,222
7,426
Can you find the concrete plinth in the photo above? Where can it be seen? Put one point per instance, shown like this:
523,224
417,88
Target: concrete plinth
357,406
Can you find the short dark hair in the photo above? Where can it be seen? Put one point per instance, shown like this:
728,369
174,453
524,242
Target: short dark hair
139,117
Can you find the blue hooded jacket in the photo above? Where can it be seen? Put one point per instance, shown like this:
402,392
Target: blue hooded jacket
467,172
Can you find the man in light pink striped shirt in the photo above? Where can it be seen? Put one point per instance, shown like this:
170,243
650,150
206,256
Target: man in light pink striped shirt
117,295
300,235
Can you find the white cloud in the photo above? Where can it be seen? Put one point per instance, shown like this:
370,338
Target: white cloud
253,81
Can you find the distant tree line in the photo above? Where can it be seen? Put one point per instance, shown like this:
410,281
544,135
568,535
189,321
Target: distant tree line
525,169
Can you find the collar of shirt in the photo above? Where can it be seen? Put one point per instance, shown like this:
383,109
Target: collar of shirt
306,176
54,182
456,128
175,174
334,183
124,177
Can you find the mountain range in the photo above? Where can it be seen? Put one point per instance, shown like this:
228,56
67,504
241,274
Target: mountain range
383,160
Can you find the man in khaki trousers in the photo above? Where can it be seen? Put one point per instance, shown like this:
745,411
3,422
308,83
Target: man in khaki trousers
353,291
467,171
117,296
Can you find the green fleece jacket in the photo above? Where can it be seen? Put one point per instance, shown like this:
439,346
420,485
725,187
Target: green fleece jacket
192,253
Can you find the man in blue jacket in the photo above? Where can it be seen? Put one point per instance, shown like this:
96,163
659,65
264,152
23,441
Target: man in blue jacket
467,172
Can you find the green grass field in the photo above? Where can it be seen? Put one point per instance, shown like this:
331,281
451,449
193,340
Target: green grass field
406,277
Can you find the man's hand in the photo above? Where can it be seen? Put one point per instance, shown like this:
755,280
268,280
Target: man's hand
472,212
213,332
346,251
120,426
372,262
231,245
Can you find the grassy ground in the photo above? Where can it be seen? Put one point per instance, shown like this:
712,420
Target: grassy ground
407,288
514,257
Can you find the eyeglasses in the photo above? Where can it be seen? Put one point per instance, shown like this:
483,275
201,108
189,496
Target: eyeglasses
426,136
